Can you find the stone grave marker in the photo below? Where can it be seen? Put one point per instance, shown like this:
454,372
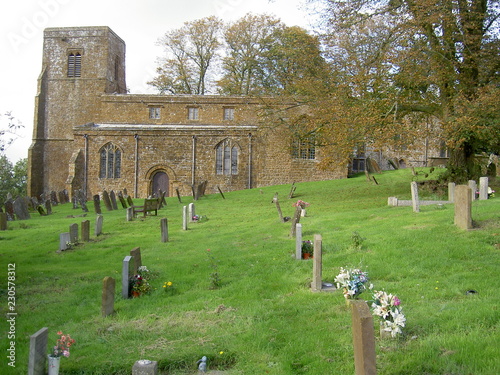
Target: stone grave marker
473,186
127,273
53,198
41,210
164,229
75,202
3,221
161,198
73,233
107,201
292,191
112,197
62,198
130,214
66,196
220,192
280,213
295,220
64,239
122,200
178,195
85,230
125,192
129,200
298,241
48,207
98,225
451,192
136,254
82,199
21,209
38,352
463,207
363,338
9,209
192,211
97,204
483,188
414,197
317,284
185,218
145,367
108,296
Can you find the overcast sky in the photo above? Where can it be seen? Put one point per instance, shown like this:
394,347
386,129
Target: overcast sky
138,22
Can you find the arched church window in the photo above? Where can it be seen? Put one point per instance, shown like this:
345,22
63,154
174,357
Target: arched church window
110,161
74,64
226,158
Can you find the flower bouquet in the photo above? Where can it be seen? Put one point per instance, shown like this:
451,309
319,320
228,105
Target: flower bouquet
352,281
139,283
62,346
307,249
301,204
388,308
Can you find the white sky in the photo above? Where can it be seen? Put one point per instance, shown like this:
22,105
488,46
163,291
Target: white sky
138,22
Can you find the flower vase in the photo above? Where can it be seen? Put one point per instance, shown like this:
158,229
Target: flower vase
306,256
54,363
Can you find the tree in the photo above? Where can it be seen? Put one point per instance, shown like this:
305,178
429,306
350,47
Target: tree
427,58
13,178
190,52
8,130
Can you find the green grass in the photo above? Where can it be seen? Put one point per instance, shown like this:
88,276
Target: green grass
264,318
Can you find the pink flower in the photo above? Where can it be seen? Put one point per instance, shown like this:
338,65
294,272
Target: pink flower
396,301
66,353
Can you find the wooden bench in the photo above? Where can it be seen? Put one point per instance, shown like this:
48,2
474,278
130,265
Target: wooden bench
150,205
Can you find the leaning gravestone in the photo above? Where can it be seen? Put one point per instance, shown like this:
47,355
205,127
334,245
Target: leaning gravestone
64,240
73,233
21,209
280,213
463,209
3,221
135,253
295,220
129,200
98,225
97,204
122,200
85,230
108,296
127,273
41,210
107,201
38,352
363,338
112,197
9,209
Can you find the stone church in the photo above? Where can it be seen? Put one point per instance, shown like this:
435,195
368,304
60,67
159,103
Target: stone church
91,135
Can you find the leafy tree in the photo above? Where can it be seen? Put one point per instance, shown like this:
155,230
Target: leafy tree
8,130
190,52
12,177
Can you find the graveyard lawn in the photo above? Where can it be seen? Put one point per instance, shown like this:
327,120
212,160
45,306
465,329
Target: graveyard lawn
263,319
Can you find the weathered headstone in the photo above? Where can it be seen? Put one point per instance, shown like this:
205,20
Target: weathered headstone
463,207
125,192
135,253
75,202
38,352
129,200
64,240
292,191
178,195
317,284
97,204
3,221
48,207
82,199
192,211
145,367
275,200
451,192
414,196
73,233
295,220
85,231
185,218
53,198
164,229
41,210
298,241
62,198
66,196
98,225
9,209
108,296
112,197
122,200
363,338
107,201
473,186
130,214
127,273
21,209
483,188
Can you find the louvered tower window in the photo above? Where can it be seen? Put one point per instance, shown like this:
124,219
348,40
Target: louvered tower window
74,65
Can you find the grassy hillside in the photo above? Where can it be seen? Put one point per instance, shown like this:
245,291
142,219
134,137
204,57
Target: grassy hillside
263,319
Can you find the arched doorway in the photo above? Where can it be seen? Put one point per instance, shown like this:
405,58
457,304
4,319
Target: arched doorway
160,182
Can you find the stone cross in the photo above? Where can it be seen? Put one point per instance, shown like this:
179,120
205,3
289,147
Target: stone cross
463,209
107,201
483,188
98,225
136,254
298,241
97,204
85,231
414,196
108,296
64,238
73,233
363,338
164,229
127,273
38,352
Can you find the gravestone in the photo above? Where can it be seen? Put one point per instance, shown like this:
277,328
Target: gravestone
220,192
9,209
21,209
145,367
414,196
192,211
130,214
295,220
451,192
125,192
164,229
127,273
363,338
73,233
38,352
41,210
85,231
112,197
107,201
108,296
298,241
82,199
136,254
53,198
129,200
292,191
75,202
463,207
98,225
66,196
122,200
64,239
178,195
97,204
48,207
483,188
317,284
161,199
473,186
185,218
280,213
3,221
62,198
